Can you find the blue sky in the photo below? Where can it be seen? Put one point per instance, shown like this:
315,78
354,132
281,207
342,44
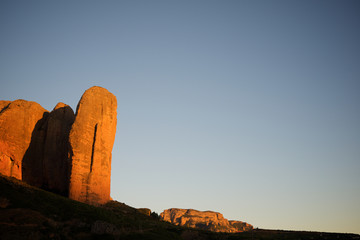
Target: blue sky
248,108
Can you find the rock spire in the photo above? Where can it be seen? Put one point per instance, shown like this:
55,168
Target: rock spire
91,141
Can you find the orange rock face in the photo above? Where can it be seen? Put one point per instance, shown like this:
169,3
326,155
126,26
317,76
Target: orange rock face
241,226
18,119
91,141
4,104
60,152
207,220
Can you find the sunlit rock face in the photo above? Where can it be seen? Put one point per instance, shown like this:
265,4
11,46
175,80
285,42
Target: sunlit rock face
4,104
207,220
34,144
58,151
91,141
18,121
241,226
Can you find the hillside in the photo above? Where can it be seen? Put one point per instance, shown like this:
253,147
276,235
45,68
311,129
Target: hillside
28,212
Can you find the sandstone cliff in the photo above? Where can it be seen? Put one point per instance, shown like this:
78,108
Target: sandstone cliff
91,140
18,120
207,220
34,144
60,152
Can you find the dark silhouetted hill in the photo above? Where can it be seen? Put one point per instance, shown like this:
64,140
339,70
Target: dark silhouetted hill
27,212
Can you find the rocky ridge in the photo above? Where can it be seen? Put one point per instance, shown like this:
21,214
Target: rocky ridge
59,151
206,220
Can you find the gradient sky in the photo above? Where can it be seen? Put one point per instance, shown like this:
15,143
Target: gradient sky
248,108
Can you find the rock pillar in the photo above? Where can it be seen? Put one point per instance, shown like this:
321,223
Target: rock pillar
91,141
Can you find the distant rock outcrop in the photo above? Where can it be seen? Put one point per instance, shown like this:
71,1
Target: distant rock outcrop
241,226
206,220
145,211
18,120
91,141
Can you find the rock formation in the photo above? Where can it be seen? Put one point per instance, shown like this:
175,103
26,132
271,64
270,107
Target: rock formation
241,226
56,163
46,163
34,144
91,140
57,151
207,220
18,119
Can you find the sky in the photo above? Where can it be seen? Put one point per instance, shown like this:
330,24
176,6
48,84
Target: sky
248,108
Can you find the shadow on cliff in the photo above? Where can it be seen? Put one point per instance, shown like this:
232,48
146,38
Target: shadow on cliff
45,163
32,163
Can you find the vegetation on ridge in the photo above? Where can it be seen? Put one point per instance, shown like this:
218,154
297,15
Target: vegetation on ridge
27,212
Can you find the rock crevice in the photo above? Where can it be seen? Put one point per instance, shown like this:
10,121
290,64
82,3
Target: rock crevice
93,148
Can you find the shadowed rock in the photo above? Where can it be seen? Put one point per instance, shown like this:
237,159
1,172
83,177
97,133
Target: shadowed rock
18,119
56,148
91,141
45,162
206,220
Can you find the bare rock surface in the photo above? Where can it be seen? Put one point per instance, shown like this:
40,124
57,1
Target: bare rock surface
241,226
91,141
56,148
18,119
207,220
4,104
58,151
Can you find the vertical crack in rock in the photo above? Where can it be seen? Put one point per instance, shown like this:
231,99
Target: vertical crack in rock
12,162
93,148
87,187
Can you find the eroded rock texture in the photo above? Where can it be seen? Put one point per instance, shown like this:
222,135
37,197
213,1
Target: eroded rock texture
91,141
18,121
207,220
